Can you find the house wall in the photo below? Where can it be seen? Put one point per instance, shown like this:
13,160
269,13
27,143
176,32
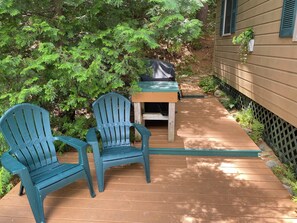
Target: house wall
270,75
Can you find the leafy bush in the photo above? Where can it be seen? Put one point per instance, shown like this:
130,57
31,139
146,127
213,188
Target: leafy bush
257,131
245,118
287,176
64,54
253,127
208,84
5,176
243,40
5,181
67,53
228,102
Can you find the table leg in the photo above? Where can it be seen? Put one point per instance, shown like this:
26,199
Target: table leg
137,117
171,122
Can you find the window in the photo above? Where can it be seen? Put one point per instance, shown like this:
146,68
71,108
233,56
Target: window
288,18
228,17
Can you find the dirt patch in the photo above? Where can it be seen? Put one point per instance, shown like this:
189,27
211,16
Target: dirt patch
197,64
203,57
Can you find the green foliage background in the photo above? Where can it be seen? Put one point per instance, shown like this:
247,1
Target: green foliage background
63,54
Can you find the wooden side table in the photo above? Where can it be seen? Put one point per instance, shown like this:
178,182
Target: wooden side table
157,91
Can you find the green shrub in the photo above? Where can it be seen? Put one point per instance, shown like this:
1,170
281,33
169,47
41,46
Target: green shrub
287,176
228,102
186,71
243,40
5,176
64,56
208,84
5,182
247,120
257,130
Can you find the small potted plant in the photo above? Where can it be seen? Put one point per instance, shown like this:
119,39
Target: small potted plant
246,42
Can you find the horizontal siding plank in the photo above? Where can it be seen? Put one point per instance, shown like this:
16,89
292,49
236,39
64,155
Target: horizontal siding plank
274,39
268,28
281,111
289,52
244,5
281,89
258,91
268,17
268,39
258,8
284,52
286,78
283,64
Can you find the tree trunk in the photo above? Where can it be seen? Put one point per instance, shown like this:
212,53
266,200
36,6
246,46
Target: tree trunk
202,13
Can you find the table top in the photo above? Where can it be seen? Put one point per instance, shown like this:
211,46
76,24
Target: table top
158,86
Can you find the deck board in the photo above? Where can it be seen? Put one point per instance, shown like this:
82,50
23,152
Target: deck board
201,123
183,189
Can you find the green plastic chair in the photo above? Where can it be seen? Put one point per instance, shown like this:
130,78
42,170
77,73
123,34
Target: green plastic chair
32,155
112,113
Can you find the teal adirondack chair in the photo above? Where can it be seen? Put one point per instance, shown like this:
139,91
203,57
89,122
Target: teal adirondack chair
32,155
112,113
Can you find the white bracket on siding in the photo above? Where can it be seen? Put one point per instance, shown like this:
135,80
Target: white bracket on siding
295,30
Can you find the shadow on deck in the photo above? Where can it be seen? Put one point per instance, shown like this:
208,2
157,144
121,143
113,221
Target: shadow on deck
204,128
184,188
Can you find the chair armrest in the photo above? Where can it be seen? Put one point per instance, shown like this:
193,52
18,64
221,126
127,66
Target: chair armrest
15,167
77,144
145,135
91,136
73,142
93,141
12,164
143,131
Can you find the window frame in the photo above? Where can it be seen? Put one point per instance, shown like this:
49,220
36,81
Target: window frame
295,31
224,18
233,14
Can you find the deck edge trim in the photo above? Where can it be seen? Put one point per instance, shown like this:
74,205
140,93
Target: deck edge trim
204,152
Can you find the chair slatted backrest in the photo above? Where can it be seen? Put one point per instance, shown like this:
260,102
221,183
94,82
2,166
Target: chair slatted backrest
112,113
27,131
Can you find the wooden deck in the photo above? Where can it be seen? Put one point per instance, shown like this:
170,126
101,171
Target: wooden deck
186,189
204,125
183,189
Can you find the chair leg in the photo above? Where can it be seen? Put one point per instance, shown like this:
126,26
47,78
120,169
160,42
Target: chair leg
100,177
36,204
21,192
88,173
90,184
147,168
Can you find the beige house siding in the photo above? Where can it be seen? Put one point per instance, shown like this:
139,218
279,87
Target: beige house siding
270,75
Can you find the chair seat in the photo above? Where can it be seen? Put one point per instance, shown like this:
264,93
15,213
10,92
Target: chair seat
121,152
54,173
